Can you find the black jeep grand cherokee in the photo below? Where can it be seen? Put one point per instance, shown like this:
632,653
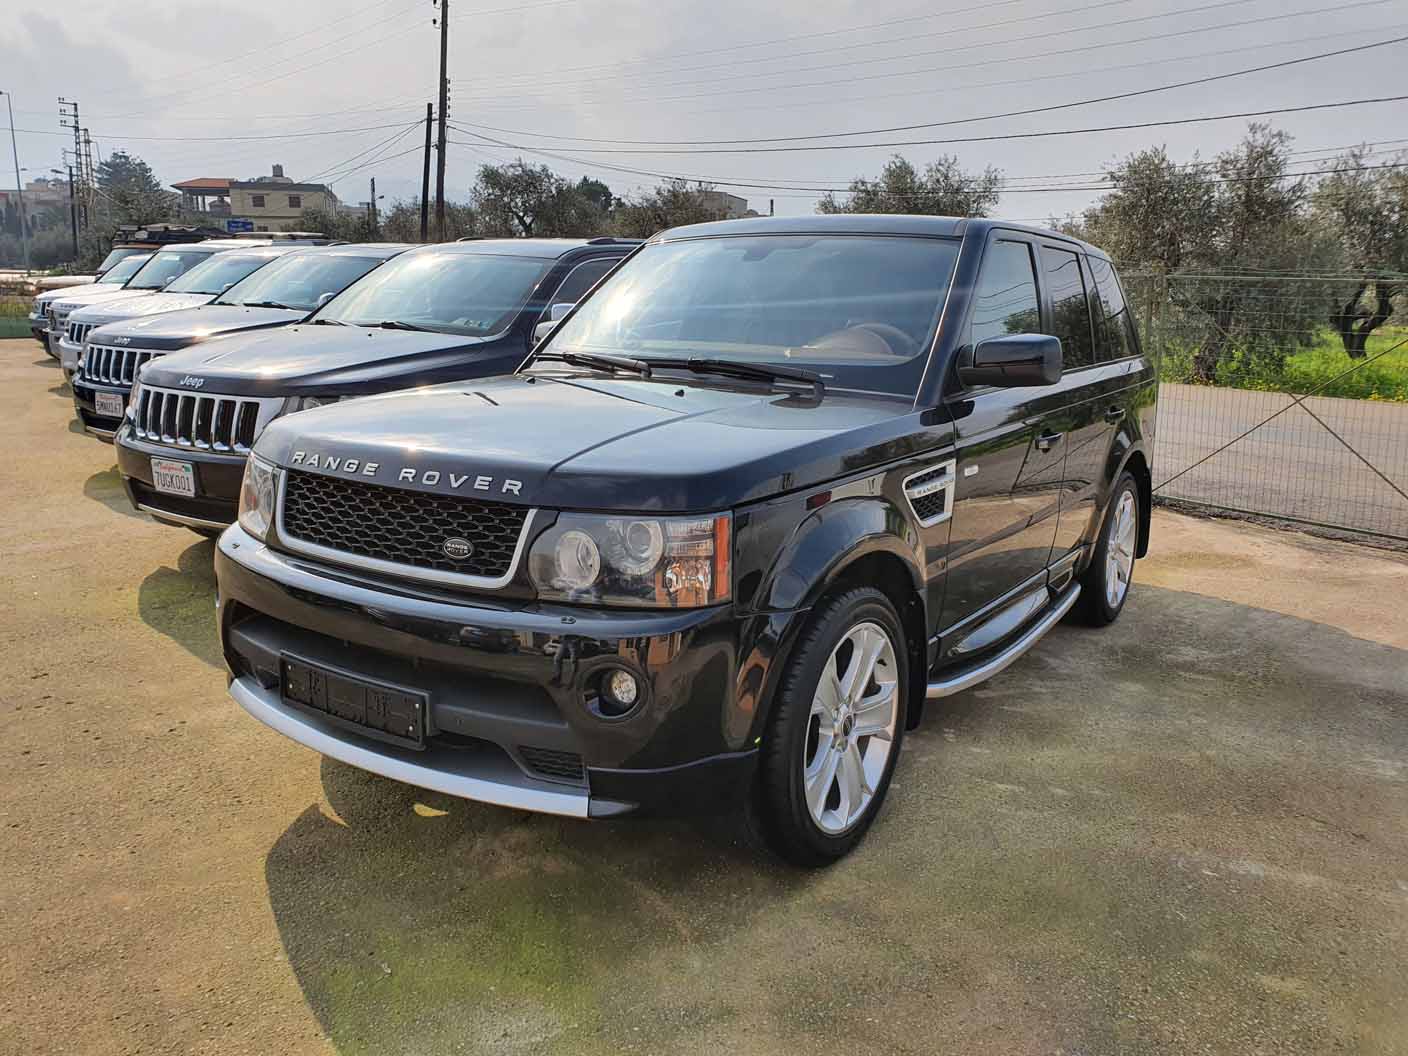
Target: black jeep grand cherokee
771,487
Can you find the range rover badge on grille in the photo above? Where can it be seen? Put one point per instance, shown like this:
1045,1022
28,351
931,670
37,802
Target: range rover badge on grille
457,549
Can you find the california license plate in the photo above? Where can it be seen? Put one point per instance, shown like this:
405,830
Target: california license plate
174,478
108,404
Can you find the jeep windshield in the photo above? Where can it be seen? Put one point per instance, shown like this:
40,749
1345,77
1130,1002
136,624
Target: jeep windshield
218,273
476,294
299,280
124,269
858,310
164,266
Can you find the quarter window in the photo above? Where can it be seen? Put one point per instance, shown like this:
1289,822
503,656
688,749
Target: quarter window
1006,302
1118,325
1070,307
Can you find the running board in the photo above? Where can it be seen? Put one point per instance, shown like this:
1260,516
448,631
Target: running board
969,678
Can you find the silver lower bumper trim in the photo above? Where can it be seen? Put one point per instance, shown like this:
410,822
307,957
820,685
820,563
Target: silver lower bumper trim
181,518
467,774
101,434
970,677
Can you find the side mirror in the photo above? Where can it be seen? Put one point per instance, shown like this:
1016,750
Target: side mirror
555,314
323,298
168,282
1014,361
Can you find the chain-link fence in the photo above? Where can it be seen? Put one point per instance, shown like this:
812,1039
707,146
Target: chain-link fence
1274,401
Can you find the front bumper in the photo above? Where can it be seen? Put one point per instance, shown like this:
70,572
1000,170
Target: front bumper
217,479
507,687
39,327
104,427
69,353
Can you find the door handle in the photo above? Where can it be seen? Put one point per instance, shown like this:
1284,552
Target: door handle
1046,441
1114,414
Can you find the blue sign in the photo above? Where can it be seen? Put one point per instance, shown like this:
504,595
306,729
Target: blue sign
239,225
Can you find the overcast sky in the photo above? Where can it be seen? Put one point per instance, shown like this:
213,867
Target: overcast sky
180,84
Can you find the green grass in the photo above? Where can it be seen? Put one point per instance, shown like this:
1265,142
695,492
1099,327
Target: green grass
1322,368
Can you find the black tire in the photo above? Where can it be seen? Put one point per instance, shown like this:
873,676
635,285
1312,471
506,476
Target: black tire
783,816
52,354
1094,607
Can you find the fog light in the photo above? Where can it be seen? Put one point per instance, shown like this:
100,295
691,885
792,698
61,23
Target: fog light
623,689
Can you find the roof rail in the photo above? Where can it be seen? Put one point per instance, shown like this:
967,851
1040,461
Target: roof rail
607,240
471,238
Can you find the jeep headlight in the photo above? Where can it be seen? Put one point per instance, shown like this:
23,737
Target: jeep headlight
669,562
307,403
258,494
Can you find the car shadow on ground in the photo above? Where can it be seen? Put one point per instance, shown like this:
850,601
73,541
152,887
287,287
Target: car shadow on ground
106,487
180,602
1172,828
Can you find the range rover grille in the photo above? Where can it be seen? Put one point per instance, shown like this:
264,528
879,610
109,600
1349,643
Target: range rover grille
209,423
113,366
77,333
401,526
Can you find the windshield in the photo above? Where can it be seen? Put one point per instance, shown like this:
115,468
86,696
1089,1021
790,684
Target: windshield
120,254
299,280
457,293
858,310
218,273
125,268
164,265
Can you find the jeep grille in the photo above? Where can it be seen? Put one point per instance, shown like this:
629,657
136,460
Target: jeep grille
112,366
210,423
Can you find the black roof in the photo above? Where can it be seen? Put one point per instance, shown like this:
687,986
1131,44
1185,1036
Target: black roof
542,248
862,224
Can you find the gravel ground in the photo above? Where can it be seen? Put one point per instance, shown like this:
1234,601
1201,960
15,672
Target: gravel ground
1183,834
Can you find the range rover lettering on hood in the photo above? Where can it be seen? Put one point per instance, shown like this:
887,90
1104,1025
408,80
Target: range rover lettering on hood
408,474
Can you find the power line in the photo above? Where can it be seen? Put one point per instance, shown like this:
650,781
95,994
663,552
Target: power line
1029,111
388,141
223,139
654,96
958,139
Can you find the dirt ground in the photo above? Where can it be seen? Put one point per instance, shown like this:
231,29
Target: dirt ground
1185,834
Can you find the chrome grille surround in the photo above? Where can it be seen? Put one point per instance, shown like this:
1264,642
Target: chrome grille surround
203,421
108,365
77,333
377,519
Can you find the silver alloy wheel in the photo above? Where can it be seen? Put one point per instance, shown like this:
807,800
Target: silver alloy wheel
1119,549
851,729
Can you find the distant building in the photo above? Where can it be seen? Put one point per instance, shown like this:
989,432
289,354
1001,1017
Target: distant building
39,195
269,203
729,206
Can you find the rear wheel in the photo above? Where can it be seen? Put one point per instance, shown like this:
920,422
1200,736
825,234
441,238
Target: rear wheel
1105,584
835,733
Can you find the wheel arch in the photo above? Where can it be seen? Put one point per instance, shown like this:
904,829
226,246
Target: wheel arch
1138,467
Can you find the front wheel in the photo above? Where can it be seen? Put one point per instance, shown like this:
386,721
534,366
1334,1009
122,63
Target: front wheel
836,730
1105,584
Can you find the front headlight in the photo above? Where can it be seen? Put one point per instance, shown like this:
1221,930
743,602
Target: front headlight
257,496
134,399
307,403
667,562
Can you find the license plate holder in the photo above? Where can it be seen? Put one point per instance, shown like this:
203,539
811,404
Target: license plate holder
108,404
374,709
173,477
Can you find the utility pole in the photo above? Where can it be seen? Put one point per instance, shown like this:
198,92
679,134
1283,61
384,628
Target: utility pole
68,118
19,185
73,213
425,180
444,108
372,206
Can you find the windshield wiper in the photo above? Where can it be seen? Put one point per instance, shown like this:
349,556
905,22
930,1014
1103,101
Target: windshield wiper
734,368
396,324
597,362
330,322
258,304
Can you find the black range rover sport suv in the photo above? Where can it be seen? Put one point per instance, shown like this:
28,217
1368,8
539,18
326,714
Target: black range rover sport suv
432,314
770,488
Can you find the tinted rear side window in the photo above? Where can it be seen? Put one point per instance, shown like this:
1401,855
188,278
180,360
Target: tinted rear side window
1005,301
1070,308
581,279
1117,324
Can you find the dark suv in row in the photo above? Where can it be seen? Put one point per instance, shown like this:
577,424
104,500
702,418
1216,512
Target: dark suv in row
432,314
773,486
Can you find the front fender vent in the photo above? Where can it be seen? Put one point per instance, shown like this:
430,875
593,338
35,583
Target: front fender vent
930,493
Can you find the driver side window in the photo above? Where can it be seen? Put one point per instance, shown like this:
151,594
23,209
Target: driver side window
1005,301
